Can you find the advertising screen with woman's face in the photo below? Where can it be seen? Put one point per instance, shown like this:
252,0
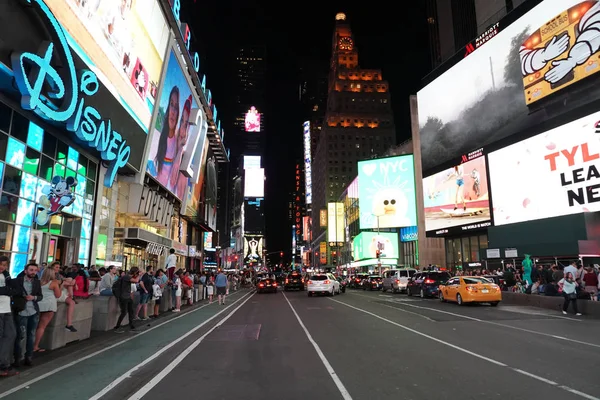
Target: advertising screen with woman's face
173,133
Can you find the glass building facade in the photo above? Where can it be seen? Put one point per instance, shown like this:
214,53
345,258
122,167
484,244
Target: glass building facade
30,158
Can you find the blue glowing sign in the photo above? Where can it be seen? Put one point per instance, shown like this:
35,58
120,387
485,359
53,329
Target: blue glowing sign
59,96
409,234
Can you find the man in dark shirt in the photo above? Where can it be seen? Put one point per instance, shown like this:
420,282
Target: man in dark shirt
124,297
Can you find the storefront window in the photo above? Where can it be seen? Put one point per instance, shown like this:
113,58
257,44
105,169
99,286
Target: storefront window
474,248
483,242
466,250
24,172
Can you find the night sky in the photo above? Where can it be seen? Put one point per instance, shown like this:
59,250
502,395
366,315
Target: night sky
297,35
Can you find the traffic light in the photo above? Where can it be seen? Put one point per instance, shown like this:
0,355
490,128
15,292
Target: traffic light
281,254
377,253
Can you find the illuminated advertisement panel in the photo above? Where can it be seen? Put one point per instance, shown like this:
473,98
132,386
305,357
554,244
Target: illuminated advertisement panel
323,253
307,163
208,240
457,196
251,162
254,182
387,192
307,228
123,42
366,244
496,88
322,218
174,135
409,234
252,120
335,222
561,171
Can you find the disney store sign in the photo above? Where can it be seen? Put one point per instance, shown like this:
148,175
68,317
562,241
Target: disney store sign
57,92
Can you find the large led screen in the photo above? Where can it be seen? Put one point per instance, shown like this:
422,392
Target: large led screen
551,174
307,163
457,196
252,120
336,226
386,191
366,244
254,216
254,182
491,93
173,134
124,42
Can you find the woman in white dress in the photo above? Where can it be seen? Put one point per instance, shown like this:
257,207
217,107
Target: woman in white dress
50,292
178,285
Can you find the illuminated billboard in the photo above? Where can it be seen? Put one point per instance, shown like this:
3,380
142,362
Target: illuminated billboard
559,169
457,196
208,241
306,228
366,244
335,222
251,162
307,163
124,43
254,182
252,120
386,191
323,253
495,89
174,137
322,218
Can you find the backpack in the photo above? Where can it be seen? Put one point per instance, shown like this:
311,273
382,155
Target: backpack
117,288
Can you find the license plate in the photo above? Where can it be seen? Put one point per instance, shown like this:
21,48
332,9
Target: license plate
485,291
268,285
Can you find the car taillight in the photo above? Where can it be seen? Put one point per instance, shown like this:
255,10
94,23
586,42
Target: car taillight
429,281
310,282
327,282
274,283
471,288
287,281
260,285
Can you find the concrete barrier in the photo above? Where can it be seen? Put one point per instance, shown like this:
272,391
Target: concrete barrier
56,336
587,307
106,312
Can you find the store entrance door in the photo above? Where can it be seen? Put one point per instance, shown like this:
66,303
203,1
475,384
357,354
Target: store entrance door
61,249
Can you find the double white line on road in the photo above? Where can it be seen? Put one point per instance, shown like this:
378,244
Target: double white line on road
30,382
490,360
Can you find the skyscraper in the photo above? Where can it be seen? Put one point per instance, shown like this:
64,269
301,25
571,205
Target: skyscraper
358,123
454,23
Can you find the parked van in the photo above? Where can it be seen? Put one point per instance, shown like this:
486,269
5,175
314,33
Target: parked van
396,280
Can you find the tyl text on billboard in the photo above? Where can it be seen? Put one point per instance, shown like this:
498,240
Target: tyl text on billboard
40,83
581,195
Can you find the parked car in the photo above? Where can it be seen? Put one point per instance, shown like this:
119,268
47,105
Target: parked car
343,283
426,284
356,281
323,284
396,280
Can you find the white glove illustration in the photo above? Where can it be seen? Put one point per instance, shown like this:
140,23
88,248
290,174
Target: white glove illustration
560,69
556,47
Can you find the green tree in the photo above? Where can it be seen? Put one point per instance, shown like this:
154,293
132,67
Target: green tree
512,68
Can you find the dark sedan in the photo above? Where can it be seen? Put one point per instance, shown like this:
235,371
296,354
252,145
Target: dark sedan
267,285
293,281
426,284
373,283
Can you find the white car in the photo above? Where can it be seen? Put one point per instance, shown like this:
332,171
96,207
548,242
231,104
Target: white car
324,284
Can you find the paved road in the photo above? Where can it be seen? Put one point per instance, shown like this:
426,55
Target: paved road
359,345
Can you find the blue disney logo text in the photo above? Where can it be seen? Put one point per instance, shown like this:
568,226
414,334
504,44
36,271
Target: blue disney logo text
42,86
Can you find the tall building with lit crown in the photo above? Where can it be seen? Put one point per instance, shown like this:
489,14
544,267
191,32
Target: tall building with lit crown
358,123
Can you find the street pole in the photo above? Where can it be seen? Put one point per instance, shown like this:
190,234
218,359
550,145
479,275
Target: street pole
379,250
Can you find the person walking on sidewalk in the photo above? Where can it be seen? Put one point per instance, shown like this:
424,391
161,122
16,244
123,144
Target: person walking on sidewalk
7,325
122,291
569,289
221,285
27,312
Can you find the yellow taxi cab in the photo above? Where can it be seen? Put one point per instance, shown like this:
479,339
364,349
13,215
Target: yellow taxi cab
470,289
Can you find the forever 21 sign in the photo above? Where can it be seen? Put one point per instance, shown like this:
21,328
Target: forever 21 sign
155,207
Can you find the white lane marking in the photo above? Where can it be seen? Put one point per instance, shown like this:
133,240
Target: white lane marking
94,354
127,374
343,391
408,312
506,326
169,368
463,350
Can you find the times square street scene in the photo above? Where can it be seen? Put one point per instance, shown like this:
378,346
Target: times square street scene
339,242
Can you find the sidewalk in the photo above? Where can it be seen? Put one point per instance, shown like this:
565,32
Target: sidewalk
81,370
